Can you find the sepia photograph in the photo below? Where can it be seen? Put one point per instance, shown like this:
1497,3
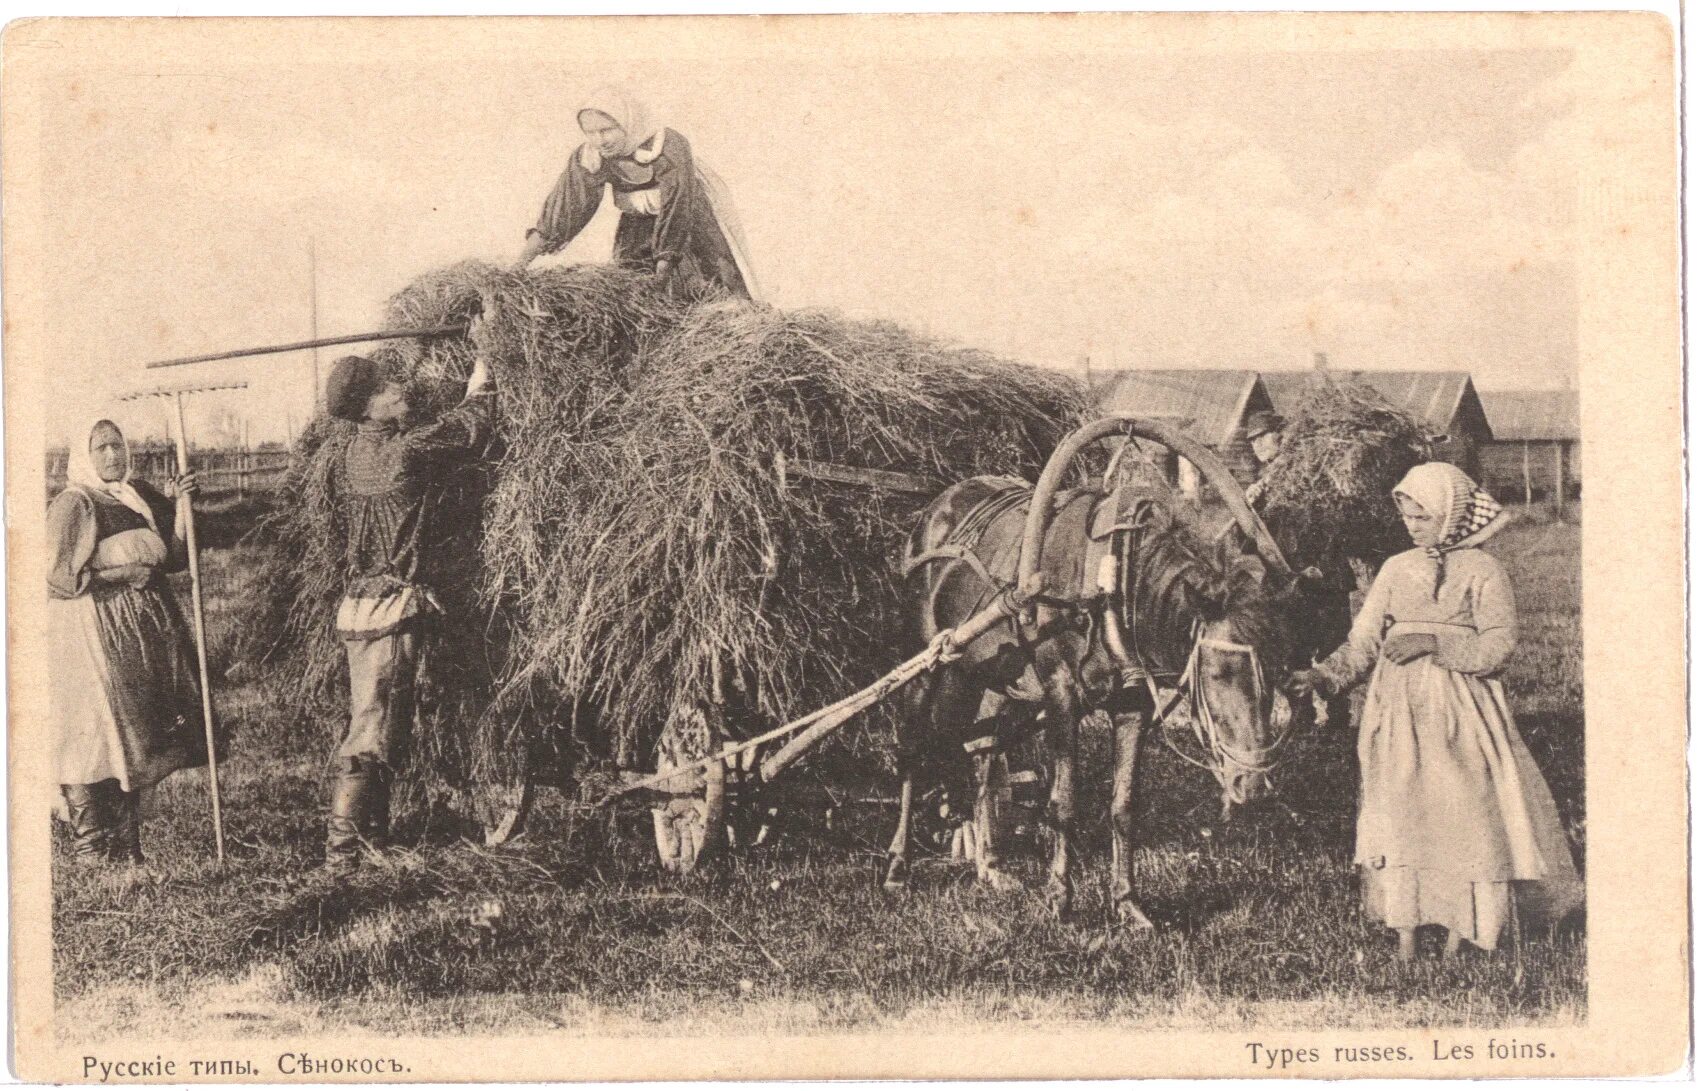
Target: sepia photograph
1001,546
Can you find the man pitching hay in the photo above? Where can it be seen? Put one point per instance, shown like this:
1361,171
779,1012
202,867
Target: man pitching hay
384,486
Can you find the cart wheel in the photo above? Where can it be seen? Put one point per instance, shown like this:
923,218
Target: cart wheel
690,830
501,809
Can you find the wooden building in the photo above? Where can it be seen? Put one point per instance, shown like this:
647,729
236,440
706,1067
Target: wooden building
1534,453
1445,401
1210,404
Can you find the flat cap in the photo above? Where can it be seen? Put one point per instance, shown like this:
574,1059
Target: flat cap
353,380
1260,422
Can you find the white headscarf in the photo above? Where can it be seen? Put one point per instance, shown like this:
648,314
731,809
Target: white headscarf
81,474
1467,515
630,114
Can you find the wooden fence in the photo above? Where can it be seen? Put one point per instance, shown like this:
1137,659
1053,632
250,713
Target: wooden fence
233,471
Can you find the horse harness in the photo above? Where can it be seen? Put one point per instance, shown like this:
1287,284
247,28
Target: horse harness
1118,543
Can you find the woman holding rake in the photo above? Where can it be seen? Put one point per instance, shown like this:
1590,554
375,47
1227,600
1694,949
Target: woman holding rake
125,698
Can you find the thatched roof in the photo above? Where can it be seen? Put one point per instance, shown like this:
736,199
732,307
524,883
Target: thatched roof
1209,403
1535,415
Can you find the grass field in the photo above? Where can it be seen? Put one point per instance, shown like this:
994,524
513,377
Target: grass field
574,929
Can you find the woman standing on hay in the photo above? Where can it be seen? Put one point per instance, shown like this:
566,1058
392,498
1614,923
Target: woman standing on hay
1456,825
125,697
675,215
384,484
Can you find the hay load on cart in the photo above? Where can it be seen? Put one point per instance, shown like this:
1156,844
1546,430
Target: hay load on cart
685,530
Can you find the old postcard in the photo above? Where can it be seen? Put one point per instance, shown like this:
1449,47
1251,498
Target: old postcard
998,546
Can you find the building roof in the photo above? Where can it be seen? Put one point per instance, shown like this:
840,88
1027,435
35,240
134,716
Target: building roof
1208,403
1532,414
1442,400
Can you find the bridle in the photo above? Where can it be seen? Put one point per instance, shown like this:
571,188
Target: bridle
1228,763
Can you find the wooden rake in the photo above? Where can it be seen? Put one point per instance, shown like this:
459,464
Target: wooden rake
176,394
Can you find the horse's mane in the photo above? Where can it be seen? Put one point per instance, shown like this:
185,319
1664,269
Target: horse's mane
1178,567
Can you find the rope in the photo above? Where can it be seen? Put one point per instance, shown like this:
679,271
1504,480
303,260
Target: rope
1222,758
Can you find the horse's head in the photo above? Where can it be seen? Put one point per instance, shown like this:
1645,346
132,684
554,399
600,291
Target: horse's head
1242,655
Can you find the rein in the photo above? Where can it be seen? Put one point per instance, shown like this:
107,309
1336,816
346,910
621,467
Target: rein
1221,758
1227,762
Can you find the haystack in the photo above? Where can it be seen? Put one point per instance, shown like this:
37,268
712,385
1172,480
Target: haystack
1327,495
642,552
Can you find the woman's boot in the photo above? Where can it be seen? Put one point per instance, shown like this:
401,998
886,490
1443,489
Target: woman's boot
88,808
126,842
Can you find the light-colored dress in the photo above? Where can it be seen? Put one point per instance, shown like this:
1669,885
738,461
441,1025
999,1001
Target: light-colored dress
1453,809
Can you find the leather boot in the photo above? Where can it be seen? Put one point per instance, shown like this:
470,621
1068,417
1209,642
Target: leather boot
374,825
350,801
89,809
126,841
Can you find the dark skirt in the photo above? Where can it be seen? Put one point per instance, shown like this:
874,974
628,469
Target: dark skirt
150,686
708,258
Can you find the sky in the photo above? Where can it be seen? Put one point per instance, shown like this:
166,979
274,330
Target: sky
1394,210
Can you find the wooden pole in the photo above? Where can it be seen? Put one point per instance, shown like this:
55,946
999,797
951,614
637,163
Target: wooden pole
242,465
200,631
312,275
1560,451
1526,467
317,342
821,722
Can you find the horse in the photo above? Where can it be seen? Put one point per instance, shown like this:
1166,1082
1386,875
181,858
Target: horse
1117,593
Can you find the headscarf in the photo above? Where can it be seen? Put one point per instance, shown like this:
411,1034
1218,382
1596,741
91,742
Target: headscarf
81,474
1467,515
630,114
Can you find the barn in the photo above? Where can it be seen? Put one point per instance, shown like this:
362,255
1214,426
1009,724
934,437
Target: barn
1210,404
1445,401
1534,451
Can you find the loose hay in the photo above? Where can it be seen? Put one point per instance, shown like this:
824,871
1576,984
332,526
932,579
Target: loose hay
1328,494
637,555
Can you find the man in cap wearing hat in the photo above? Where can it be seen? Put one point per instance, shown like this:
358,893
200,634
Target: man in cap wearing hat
1326,623
385,483
1265,432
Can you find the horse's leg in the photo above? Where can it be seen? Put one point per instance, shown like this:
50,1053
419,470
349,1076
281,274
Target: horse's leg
987,818
895,876
1062,730
916,725
1128,732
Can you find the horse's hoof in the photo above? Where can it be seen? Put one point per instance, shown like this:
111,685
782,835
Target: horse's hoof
1000,881
1131,917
